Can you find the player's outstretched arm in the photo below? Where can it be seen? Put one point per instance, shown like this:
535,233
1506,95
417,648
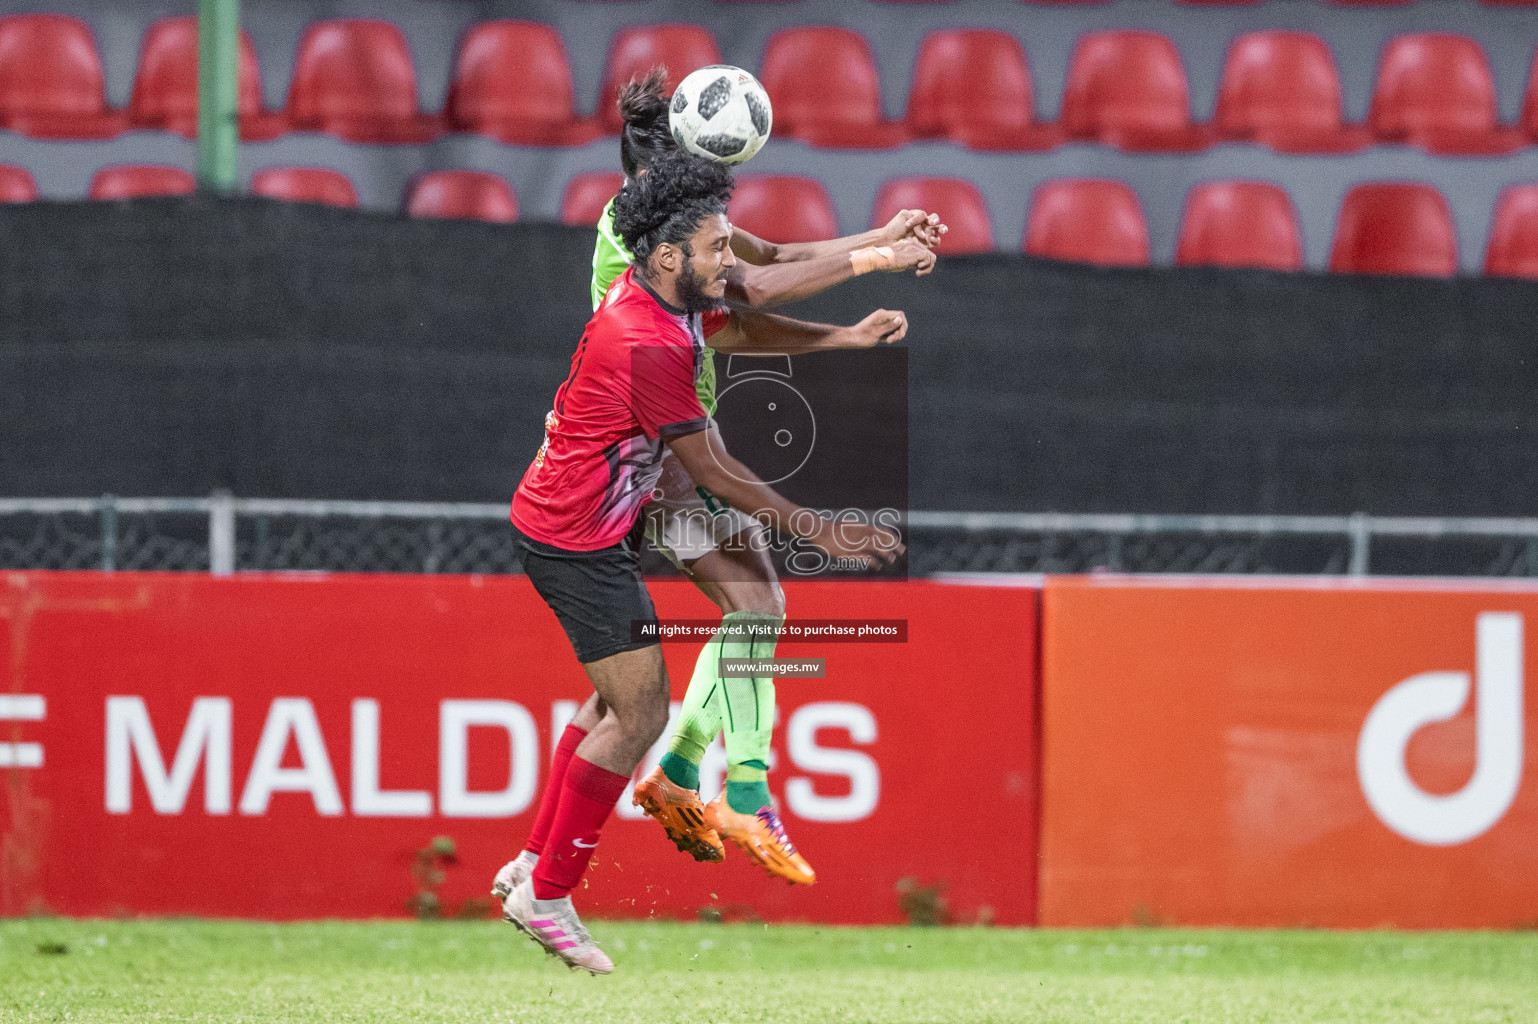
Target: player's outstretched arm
919,225
750,333
753,287
713,468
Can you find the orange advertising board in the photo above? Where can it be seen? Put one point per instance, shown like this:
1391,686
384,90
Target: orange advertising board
1269,753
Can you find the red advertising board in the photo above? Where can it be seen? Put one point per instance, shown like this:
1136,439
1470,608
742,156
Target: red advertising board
1264,753
279,746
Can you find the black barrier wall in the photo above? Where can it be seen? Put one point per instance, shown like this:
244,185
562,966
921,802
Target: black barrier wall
178,346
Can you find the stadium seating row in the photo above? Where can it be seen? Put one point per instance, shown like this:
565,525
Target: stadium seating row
1383,227
470,195
512,80
1198,3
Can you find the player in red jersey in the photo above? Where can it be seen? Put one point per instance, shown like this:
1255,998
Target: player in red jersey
631,396
718,547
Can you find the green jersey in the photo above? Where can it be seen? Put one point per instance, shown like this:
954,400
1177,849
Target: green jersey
610,258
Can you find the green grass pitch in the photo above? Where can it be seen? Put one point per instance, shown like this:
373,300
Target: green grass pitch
184,970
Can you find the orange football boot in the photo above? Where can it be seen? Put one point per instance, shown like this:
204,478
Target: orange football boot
761,837
681,815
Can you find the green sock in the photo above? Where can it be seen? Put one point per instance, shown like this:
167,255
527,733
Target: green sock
744,705
748,703
747,786
699,719
680,771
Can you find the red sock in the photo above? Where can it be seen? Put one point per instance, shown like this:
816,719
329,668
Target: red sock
587,797
551,797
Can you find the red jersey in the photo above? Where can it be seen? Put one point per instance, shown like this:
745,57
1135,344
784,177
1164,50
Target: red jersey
631,388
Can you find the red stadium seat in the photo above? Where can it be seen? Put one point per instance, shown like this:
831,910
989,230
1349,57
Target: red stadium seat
1087,220
353,78
1528,124
165,94
587,195
134,181
468,195
1395,228
1435,90
958,202
974,86
825,89
639,48
1513,247
1128,89
1240,224
512,81
305,185
16,184
1282,89
783,208
51,84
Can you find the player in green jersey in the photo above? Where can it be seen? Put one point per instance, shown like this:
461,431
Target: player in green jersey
693,528
766,274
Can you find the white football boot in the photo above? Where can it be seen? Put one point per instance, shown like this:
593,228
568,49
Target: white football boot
511,874
555,926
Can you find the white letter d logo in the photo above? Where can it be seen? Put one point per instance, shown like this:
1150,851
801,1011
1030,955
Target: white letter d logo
1435,697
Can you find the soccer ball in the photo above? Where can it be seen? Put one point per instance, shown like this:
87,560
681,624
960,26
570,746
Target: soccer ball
722,113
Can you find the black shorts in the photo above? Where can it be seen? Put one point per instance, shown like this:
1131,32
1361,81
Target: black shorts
596,595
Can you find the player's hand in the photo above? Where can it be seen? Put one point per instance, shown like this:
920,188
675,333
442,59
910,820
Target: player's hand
884,326
910,254
902,225
931,231
873,547
919,225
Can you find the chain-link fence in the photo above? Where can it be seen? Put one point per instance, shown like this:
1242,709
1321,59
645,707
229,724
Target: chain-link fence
374,544
1263,545
222,534
59,535
938,550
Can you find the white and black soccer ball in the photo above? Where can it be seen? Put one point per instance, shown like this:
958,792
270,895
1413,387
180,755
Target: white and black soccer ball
722,113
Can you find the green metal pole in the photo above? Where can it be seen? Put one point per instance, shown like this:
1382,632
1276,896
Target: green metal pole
218,71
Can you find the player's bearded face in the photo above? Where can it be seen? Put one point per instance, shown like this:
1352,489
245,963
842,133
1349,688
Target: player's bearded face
694,288
706,262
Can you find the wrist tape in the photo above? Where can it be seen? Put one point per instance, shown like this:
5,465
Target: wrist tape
875,257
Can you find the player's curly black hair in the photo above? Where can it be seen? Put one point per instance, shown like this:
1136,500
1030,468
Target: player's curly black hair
646,135
667,203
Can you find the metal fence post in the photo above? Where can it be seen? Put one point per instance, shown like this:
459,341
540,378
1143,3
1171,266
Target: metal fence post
1361,539
108,533
1113,545
434,546
221,534
262,553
